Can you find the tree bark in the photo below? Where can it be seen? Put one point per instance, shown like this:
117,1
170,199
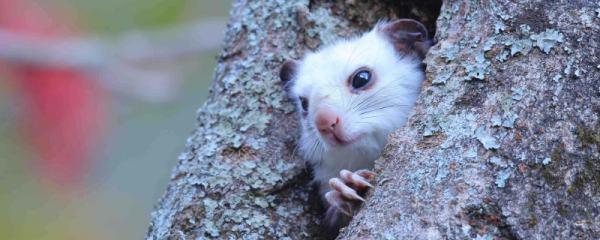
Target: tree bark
503,142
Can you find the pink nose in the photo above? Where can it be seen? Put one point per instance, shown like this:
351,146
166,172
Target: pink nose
326,121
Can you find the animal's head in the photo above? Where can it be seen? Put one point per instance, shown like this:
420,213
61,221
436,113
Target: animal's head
353,93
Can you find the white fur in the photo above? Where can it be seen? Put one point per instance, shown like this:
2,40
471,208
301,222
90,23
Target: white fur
322,78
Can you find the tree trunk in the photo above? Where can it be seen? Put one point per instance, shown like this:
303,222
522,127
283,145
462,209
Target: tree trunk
505,136
504,140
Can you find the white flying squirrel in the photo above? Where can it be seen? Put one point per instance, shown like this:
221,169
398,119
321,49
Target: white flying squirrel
350,96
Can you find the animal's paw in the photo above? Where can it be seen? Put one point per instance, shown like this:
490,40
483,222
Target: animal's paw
344,195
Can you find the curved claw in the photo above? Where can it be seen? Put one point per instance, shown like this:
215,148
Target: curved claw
349,193
365,174
355,179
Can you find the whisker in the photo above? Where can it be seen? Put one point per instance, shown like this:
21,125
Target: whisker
370,96
381,108
371,116
377,103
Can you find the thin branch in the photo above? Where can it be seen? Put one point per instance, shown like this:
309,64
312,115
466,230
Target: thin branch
117,61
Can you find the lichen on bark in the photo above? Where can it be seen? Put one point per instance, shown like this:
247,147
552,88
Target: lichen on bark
503,140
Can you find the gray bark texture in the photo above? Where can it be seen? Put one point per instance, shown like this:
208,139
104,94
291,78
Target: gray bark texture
503,143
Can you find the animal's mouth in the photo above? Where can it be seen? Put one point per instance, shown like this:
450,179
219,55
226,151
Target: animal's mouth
335,139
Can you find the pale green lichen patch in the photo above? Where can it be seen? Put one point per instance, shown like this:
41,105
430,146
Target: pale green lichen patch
471,153
499,27
503,56
486,139
509,120
517,93
430,128
502,177
489,44
449,52
443,76
498,162
476,70
556,77
519,46
458,126
586,17
546,40
569,66
546,161
496,121
525,29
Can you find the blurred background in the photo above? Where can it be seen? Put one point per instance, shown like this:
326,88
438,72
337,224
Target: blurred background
97,99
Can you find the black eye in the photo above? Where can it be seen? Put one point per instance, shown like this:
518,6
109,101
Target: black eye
304,104
361,78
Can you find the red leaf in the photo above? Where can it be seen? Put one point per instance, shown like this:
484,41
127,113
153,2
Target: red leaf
65,110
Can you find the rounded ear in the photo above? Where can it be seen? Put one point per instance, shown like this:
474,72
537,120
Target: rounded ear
407,36
288,70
